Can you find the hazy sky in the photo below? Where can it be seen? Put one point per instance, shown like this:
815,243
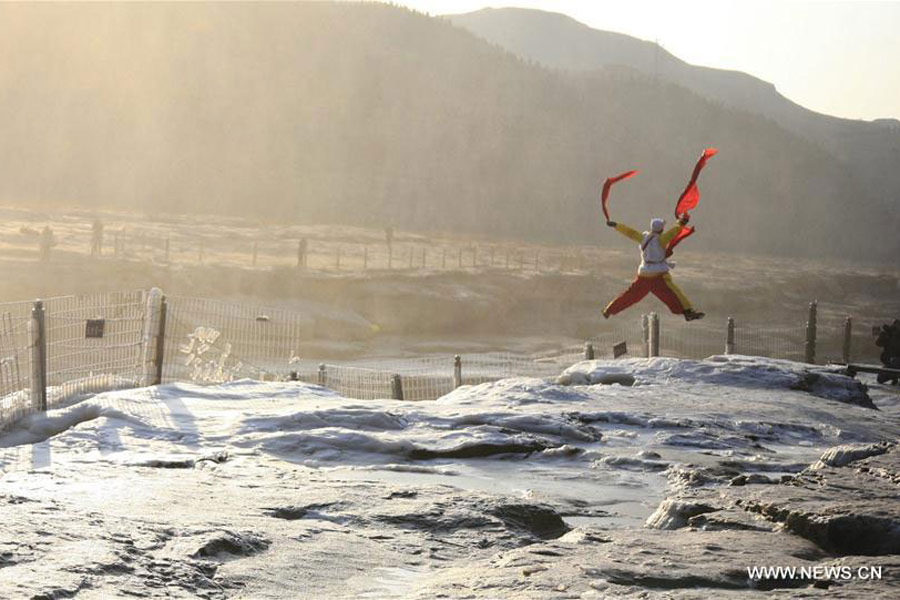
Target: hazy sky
840,58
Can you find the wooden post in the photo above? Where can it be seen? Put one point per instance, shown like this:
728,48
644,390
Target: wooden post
423,257
149,332
729,337
457,371
255,252
160,357
811,333
444,258
848,337
321,376
390,258
200,252
645,334
492,256
365,257
396,387
167,249
337,258
588,351
38,342
654,334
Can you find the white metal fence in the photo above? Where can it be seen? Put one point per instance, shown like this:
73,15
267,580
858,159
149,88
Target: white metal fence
57,350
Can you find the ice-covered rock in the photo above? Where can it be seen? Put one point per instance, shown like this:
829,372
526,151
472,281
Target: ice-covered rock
840,456
674,514
727,370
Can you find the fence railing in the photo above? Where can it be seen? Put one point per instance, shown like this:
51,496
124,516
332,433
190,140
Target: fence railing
57,350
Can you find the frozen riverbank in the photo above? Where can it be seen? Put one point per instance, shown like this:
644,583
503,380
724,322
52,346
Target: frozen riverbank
287,490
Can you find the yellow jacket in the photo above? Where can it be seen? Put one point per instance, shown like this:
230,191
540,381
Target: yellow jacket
653,248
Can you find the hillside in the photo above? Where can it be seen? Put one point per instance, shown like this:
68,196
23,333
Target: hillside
871,149
320,112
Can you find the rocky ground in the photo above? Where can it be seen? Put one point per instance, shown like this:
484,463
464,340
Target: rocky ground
671,487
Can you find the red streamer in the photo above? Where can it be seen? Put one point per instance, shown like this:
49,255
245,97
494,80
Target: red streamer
691,195
608,184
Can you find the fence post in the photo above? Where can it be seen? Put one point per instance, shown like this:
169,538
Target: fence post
337,260
457,371
848,336
167,249
645,334
38,341
255,251
654,334
365,257
390,257
588,351
444,258
161,340
396,387
321,376
811,333
729,338
149,341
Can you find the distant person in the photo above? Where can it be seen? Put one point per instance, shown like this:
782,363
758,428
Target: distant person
653,274
889,342
97,237
45,243
302,247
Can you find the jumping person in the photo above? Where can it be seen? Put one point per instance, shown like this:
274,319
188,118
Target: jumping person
653,274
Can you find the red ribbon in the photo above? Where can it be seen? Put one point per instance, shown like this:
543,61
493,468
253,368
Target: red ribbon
691,195
685,232
608,184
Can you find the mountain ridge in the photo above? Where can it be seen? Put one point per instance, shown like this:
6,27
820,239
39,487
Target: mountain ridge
373,114
871,148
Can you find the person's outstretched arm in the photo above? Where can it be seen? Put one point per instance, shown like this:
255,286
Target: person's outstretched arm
627,231
669,235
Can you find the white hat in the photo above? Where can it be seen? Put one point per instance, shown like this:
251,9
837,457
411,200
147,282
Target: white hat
657,225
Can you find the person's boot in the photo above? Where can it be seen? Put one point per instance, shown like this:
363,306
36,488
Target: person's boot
692,315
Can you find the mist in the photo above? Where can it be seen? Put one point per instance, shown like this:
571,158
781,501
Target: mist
376,115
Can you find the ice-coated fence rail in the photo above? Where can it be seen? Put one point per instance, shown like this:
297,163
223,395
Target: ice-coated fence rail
55,351
15,361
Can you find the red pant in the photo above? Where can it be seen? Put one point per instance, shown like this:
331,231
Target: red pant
662,287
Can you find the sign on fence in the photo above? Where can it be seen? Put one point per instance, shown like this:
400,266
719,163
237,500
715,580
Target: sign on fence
93,328
620,349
